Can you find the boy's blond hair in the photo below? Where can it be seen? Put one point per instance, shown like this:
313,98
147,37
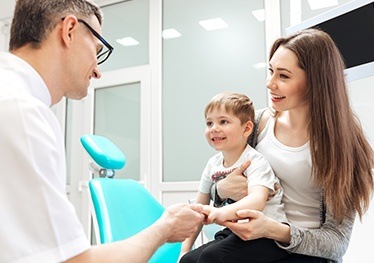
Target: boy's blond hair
236,103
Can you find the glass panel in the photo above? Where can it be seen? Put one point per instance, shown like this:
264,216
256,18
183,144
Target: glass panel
123,20
117,117
201,63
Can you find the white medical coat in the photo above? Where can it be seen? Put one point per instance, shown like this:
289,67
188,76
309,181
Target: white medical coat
38,223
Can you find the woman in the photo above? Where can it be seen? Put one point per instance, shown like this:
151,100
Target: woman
317,148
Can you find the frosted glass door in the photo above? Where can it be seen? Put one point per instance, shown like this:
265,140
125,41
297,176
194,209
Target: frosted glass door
117,117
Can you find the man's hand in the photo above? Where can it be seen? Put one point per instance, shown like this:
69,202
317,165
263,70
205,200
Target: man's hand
183,220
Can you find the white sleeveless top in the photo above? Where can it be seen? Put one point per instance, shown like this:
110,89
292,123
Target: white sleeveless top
292,165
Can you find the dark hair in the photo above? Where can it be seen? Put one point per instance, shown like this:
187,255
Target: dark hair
34,19
342,158
238,104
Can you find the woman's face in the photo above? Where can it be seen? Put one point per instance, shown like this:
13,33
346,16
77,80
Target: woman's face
286,81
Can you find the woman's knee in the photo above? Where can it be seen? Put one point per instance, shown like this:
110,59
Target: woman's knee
190,257
209,255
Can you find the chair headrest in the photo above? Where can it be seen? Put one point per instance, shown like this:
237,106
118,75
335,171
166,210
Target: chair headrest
103,152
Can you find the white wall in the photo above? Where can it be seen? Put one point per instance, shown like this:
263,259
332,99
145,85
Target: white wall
6,11
4,34
362,242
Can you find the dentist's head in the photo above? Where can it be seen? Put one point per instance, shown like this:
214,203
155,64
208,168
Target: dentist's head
62,41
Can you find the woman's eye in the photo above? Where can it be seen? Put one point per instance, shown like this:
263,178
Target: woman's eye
283,76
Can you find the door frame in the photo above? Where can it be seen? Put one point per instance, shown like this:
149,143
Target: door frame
83,122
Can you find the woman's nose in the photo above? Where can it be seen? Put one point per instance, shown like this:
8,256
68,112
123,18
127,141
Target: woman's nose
270,84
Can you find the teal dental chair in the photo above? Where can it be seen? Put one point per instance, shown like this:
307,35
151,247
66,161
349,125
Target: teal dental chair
121,207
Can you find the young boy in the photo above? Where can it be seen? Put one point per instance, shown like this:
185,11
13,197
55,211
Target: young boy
229,122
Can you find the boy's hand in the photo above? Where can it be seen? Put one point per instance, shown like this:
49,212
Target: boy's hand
214,215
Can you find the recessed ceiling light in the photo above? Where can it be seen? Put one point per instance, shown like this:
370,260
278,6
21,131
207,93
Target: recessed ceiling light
259,14
213,24
318,4
260,65
170,33
127,41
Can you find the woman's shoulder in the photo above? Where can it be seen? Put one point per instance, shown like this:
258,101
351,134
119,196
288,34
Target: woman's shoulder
262,117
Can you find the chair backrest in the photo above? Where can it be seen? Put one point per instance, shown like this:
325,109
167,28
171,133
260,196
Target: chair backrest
122,208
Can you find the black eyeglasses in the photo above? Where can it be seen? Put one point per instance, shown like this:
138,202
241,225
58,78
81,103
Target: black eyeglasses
104,53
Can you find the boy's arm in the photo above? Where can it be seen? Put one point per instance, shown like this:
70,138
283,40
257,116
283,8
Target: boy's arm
256,200
203,199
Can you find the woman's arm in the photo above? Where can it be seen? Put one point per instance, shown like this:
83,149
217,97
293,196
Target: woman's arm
259,226
329,241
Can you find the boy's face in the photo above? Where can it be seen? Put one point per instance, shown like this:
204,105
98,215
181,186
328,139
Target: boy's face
224,131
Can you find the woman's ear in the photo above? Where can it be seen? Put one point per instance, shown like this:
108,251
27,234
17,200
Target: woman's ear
248,128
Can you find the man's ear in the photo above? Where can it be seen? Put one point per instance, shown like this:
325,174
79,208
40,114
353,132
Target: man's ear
69,27
248,128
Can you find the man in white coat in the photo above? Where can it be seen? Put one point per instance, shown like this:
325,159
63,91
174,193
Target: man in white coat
55,48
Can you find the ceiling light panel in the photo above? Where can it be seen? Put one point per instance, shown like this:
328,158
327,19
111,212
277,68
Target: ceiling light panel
170,33
213,24
318,4
259,14
127,41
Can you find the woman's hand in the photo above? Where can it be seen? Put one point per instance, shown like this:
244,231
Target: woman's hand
253,224
234,186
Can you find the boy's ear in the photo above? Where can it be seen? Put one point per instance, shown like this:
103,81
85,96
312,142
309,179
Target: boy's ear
248,128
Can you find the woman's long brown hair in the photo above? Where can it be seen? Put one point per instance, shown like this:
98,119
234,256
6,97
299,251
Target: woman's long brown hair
342,158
